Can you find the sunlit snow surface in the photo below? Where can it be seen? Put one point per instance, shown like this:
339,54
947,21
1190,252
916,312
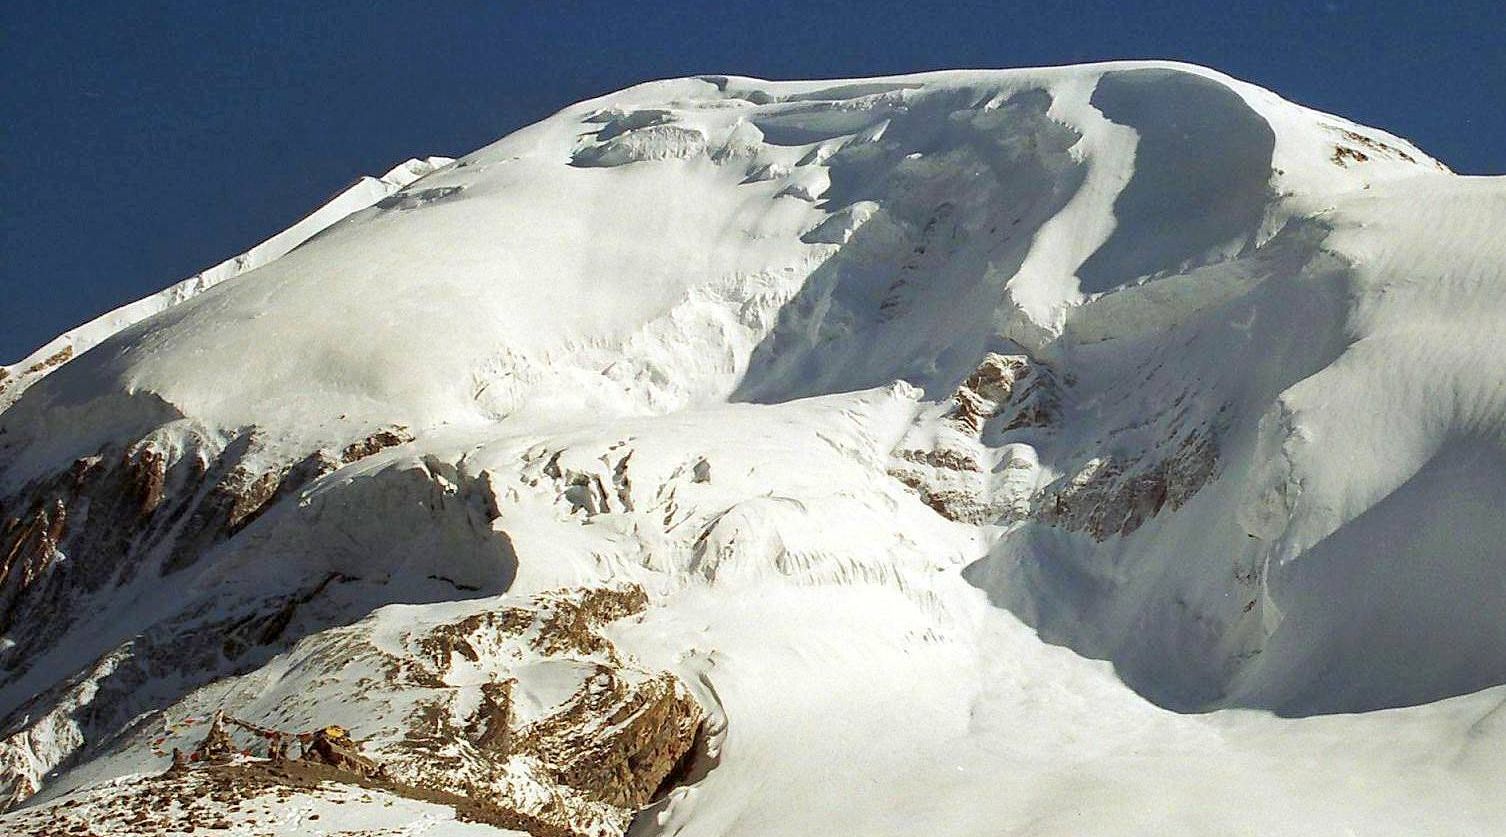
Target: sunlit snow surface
678,334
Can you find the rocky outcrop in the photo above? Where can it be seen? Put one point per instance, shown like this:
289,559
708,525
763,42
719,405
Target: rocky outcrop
458,710
69,535
1112,496
585,764
117,520
615,740
150,508
109,519
1011,384
86,713
375,443
244,796
961,462
950,482
976,461
454,712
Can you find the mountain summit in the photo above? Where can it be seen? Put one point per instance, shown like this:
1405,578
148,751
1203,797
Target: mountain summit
1112,449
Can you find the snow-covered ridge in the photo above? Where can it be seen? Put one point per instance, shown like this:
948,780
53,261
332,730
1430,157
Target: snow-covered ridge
365,192
869,386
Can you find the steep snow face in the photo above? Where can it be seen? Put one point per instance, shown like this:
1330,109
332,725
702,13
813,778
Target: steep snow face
869,386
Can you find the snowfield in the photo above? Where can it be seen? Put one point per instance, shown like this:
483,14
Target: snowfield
1112,449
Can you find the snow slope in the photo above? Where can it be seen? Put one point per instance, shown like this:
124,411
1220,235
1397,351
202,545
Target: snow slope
354,198
1104,449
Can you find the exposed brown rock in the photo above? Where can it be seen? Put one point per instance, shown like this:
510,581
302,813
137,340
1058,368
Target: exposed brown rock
605,750
149,479
58,358
1110,497
1342,154
114,515
491,729
616,742
987,390
1004,393
446,640
572,622
248,496
1375,146
950,460
28,547
239,497
221,796
157,509
1106,496
376,442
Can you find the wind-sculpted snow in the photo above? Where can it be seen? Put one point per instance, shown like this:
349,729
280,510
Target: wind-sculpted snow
1202,175
855,391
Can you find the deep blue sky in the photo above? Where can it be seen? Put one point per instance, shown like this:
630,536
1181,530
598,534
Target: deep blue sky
141,142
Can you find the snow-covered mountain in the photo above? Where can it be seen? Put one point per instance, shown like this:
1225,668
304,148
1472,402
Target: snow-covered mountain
1114,449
